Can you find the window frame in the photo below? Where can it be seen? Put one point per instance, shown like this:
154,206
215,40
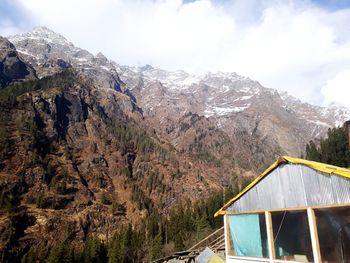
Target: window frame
310,210
230,251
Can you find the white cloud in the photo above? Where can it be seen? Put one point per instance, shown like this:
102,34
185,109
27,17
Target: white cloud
287,45
338,89
8,28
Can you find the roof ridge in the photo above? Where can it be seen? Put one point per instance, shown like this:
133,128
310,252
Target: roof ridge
322,167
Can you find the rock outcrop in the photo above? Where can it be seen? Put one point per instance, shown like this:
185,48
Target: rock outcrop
12,68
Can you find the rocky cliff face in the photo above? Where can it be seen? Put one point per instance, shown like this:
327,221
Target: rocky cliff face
12,68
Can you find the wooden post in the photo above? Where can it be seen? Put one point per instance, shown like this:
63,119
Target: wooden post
270,239
228,250
166,233
314,235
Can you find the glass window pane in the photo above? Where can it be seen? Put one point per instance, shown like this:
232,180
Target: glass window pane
292,236
248,235
333,227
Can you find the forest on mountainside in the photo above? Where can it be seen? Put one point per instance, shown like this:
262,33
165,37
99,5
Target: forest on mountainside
334,149
188,221
185,224
160,235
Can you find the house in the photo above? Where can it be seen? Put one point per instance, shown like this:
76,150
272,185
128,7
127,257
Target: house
297,210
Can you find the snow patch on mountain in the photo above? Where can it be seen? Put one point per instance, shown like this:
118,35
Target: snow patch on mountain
222,111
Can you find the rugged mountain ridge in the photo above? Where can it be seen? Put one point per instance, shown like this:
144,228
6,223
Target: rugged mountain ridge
261,123
49,52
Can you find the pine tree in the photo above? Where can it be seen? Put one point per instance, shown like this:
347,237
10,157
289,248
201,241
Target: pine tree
152,225
312,153
201,226
156,247
60,254
126,246
332,150
94,251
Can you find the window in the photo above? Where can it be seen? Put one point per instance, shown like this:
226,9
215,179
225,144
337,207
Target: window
292,236
333,227
247,234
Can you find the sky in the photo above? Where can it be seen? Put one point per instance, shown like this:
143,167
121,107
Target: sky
300,46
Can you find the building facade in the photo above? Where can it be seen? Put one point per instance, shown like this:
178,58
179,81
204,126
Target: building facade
296,210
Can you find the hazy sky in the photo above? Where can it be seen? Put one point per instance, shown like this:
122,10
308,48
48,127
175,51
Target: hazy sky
299,46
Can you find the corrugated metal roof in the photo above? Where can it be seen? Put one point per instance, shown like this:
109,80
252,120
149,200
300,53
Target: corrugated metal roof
289,189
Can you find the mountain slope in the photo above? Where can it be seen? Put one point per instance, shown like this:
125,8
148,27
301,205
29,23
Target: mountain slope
77,162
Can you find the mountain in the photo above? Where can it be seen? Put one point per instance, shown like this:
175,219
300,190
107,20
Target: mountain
49,52
88,145
78,159
262,123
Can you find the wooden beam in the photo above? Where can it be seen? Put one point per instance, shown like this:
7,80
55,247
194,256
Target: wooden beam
270,239
221,237
286,209
208,237
314,235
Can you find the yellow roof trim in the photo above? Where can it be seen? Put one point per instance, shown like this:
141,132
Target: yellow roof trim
322,167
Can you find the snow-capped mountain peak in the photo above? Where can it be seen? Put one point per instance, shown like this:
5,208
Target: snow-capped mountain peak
49,52
42,33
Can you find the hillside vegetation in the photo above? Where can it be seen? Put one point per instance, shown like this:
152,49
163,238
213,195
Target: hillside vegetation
82,180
